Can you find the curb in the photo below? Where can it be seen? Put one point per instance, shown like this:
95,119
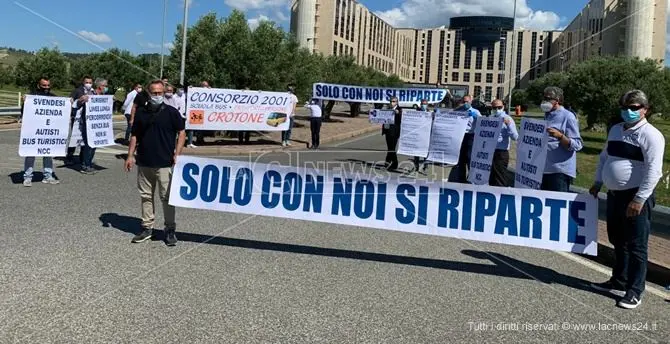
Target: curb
223,151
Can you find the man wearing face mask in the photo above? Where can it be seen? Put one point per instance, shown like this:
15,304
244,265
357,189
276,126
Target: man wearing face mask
128,107
418,165
459,173
43,89
171,100
88,152
499,171
180,99
392,133
86,88
563,144
158,138
630,166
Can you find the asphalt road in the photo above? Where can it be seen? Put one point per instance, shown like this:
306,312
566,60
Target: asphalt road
69,274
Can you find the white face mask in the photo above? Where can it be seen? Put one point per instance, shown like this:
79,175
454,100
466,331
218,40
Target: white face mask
88,86
156,100
498,112
168,95
546,106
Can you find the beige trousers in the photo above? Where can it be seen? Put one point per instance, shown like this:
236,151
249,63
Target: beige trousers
147,180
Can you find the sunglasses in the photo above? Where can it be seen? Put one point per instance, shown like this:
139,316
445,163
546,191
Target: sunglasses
632,107
498,107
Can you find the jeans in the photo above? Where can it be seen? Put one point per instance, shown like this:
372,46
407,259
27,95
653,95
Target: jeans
286,135
629,236
556,182
129,127
315,127
459,173
29,163
87,152
499,171
148,179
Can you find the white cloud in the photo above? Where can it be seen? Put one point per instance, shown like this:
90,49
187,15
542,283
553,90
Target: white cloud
436,13
244,5
254,22
150,45
95,37
139,33
281,16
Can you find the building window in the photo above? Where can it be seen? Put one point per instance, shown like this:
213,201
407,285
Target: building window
490,53
430,40
500,92
334,48
457,51
454,76
478,58
440,61
468,58
466,77
478,77
488,93
337,17
478,92
519,49
489,77
501,78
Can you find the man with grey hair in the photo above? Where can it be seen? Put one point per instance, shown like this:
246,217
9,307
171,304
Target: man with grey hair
563,144
87,152
630,166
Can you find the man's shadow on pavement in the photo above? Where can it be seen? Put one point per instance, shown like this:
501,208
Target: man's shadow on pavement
502,266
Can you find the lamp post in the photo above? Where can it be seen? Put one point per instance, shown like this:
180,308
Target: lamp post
183,44
163,38
509,103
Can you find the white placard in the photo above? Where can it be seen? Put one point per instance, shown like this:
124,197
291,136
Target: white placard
76,138
541,219
99,124
531,154
415,133
487,130
447,135
381,116
44,127
224,109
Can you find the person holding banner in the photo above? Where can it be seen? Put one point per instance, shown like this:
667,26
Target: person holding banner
314,122
392,133
86,88
87,152
286,135
153,139
420,166
459,173
128,107
43,89
500,163
630,166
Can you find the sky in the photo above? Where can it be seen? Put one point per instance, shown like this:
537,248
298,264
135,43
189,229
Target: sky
93,26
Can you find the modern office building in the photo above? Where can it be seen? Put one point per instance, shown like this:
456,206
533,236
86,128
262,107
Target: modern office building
613,27
483,53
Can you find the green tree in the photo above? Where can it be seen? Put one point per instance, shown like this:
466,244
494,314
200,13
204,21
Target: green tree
535,91
45,62
6,75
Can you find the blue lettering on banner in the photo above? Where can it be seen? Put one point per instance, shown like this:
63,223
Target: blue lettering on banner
553,221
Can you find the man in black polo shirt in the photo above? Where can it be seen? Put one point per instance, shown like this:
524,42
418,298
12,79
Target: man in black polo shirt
158,138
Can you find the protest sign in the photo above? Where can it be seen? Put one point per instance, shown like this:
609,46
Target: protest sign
224,109
44,128
99,125
487,130
371,94
531,154
76,138
446,136
415,133
541,219
381,116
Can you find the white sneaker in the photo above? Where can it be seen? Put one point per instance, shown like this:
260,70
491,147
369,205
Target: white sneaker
283,144
52,181
27,182
190,145
288,143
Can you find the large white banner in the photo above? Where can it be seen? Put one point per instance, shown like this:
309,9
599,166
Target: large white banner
531,153
447,135
223,109
372,94
99,125
415,133
76,138
44,128
542,219
381,116
487,130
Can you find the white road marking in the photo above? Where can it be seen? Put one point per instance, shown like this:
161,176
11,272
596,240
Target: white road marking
605,271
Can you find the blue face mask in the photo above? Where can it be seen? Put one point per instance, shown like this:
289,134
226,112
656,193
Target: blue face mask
629,115
424,107
467,106
105,90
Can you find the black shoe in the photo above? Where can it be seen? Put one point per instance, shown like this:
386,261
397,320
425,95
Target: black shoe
608,287
630,300
171,238
143,236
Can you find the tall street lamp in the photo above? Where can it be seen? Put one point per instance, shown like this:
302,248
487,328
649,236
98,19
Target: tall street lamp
183,43
509,103
163,39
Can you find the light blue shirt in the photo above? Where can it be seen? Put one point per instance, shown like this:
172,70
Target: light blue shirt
474,113
561,159
507,132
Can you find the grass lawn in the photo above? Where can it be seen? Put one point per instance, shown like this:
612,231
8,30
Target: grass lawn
587,158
